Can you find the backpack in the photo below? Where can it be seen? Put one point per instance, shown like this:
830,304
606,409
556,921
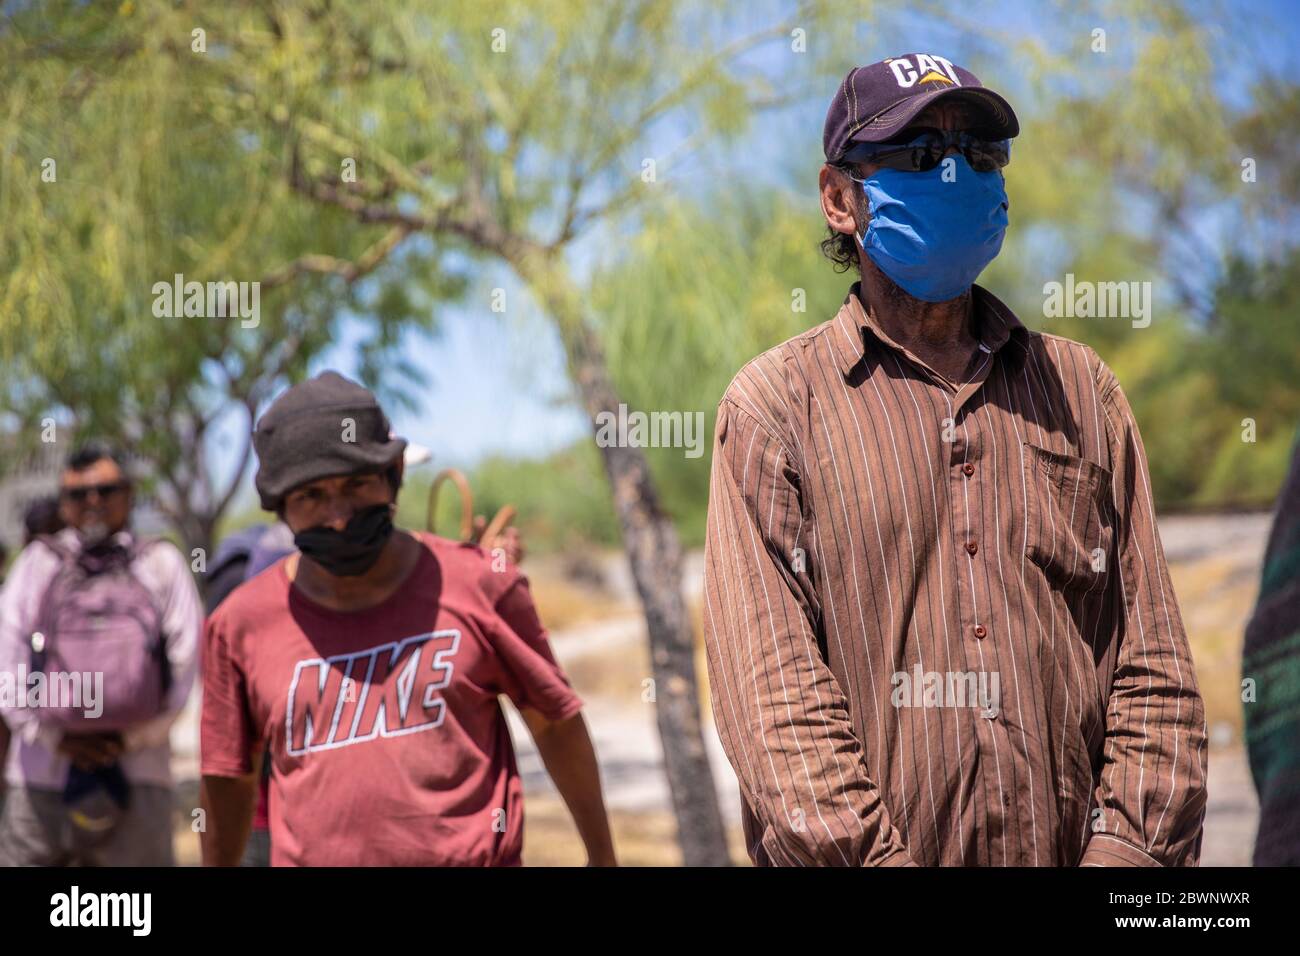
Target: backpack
97,617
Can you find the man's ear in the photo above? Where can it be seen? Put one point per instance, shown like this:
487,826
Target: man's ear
839,205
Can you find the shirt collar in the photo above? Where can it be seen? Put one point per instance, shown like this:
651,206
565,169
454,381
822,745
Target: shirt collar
997,325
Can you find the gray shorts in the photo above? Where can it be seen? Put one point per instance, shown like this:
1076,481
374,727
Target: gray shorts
33,831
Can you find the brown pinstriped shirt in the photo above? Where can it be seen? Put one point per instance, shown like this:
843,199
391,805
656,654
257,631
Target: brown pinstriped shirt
939,623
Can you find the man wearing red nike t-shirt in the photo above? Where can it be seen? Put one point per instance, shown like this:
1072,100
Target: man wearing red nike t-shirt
370,661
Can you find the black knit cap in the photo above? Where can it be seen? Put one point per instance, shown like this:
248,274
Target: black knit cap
321,428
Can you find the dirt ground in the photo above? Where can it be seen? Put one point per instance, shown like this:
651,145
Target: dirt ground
600,639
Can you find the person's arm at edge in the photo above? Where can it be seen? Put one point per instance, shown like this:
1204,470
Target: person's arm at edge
1151,788
779,711
31,574
228,805
230,753
566,750
539,689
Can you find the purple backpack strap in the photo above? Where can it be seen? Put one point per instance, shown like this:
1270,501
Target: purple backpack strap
67,561
138,548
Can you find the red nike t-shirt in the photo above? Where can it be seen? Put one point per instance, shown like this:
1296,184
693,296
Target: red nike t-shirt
388,744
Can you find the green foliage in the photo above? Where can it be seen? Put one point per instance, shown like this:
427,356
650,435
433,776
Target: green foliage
716,283
216,142
226,164
157,172
563,500
1251,355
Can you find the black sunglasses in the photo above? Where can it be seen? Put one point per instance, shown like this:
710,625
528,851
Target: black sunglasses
917,151
79,495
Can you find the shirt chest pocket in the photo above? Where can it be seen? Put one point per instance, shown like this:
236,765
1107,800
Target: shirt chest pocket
1069,521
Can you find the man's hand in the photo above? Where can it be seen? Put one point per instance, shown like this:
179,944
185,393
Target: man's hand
91,751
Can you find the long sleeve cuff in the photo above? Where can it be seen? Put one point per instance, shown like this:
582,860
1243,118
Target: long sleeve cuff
901,858
1106,850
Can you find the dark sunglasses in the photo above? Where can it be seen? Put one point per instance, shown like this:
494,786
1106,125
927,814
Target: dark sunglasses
79,495
924,150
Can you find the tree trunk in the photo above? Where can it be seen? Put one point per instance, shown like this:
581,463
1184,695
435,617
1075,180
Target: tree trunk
655,556
194,524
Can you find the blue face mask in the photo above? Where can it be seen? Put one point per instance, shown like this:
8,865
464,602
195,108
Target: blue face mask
933,238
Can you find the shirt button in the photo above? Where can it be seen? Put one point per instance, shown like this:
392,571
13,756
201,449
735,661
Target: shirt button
968,469
971,547
980,630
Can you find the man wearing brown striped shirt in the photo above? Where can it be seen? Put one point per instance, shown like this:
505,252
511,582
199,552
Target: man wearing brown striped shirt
939,623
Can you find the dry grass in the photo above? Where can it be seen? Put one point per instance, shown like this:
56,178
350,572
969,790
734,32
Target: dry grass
619,673
561,603
616,677
640,839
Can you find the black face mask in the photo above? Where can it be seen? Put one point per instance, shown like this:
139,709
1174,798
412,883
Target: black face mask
356,548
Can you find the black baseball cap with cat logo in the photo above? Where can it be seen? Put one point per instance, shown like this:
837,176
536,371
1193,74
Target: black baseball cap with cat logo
877,102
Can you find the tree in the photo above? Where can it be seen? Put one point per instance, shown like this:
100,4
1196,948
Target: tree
531,127
368,159
402,130
115,175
